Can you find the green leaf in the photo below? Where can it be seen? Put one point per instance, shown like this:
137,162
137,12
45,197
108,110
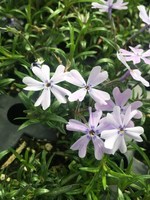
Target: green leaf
90,169
120,195
56,118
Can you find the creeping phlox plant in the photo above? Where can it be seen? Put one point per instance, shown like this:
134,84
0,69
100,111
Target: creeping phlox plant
111,121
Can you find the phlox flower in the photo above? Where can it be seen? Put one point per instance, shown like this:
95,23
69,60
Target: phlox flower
120,130
136,55
135,73
121,99
95,78
107,6
47,85
91,132
144,15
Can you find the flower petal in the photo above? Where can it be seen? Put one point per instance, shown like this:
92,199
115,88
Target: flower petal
136,74
143,14
98,147
75,125
121,98
39,73
134,133
44,99
108,107
128,116
32,84
81,145
106,134
102,8
60,93
94,118
75,78
78,95
96,76
99,96
117,116
110,143
122,147
146,60
59,74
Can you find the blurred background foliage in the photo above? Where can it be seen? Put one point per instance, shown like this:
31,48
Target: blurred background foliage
72,33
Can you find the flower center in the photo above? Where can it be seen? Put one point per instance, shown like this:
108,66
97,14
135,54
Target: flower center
91,133
47,84
121,131
87,87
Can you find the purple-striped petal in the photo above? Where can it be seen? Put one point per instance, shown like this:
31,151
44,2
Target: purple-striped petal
98,147
81,145
94,118
121,98
75,125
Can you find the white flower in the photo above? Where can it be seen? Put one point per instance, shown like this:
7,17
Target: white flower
95,78
120,129
143,14
47,85
107,6
136,55
135,73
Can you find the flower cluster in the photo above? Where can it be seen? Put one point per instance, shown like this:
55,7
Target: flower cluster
115,128
110,126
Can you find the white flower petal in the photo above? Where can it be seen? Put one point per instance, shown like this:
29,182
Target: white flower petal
96,76
128,115
143,14
32,84
110,143
44,99
75,78
60,93
78,95
38,72
134,133
99,96
136,74
106,134
122,59
122,147
59,74
46,72
75,125
117,115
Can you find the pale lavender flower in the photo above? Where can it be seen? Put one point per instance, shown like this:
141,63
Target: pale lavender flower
91,132
107,6
135,73
121,99
136,55
95,78
47,85
144,15
120,130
